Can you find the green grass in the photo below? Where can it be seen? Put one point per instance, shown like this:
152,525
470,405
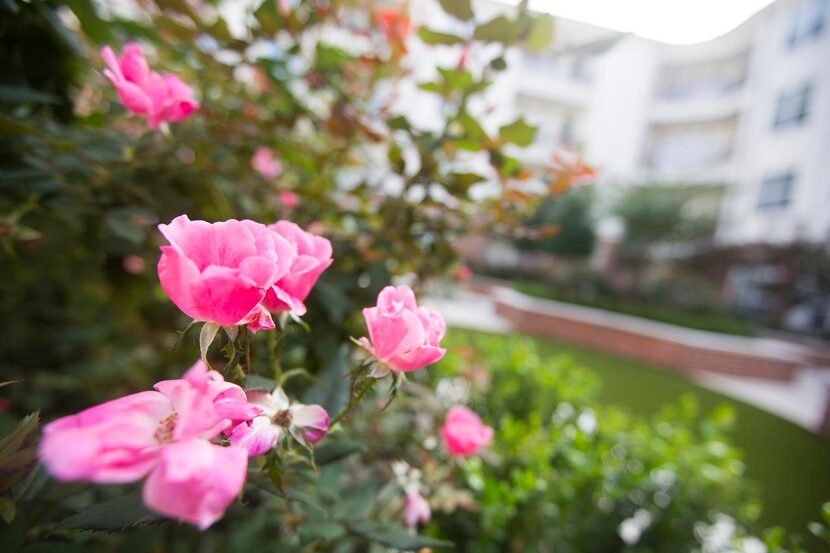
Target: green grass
715,322
790,464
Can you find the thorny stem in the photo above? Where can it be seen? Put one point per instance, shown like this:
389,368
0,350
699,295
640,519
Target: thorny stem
359,391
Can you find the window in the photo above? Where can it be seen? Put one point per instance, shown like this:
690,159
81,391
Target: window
792,107
807,22
776,191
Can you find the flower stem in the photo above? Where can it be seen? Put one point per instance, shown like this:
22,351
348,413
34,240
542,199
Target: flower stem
361,386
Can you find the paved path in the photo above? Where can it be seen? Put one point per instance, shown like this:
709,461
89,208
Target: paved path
801,400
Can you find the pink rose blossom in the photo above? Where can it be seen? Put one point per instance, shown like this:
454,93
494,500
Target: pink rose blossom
463,273
163,434
464,433
404,337
416,511
220,272
133,264
290,200
306,423
264,163
145,92
313,256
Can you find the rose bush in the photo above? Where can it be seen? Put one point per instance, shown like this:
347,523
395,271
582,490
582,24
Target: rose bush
305,190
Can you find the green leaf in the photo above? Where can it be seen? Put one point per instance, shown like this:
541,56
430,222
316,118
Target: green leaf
456,79
462,9
329,58
119,223
326,530
432,87
518,132
9,5
22,94
268,17
435,37
498,29
392,535
541,33
816,528
331,450
356,502
13,443
471,127
256,382
398,123
116,514
206,337
498,64
95,28
464,181
7,509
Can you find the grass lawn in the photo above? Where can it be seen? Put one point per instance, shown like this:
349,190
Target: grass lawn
790,464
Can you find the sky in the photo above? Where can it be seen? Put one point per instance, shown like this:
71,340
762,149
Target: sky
672,21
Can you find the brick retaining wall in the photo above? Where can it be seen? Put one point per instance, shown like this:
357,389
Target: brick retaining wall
680,349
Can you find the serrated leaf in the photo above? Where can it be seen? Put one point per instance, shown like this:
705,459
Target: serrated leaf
462,9
206,337
541,33
395,536
116,514
435,37
518,132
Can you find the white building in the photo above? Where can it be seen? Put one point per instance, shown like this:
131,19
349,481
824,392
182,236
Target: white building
749,110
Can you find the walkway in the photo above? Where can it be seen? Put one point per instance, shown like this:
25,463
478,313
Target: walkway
801,400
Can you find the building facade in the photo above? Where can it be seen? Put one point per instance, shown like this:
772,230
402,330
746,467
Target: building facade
749,111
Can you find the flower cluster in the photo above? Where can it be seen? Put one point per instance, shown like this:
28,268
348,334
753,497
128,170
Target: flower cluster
167,435
158,98
191,438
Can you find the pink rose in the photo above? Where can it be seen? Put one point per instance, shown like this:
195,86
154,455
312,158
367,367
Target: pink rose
220,272
464,433
163,434
264,163
463,273
416,509
289,200
313,256
145,92
404,337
